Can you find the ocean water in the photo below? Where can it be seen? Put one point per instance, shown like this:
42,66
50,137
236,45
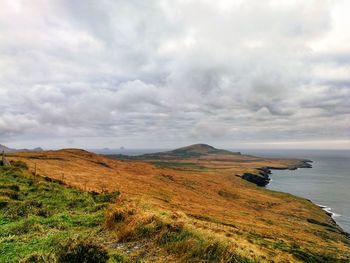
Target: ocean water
326,184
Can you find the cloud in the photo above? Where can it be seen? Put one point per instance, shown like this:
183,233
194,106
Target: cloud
167,73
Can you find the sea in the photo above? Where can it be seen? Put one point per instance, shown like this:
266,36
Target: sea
326,184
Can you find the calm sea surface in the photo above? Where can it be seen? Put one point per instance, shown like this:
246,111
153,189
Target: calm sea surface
326,184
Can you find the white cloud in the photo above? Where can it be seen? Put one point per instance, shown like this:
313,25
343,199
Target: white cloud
138,73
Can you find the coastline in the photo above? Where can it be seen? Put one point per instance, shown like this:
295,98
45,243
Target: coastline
327,210
332,215
262,178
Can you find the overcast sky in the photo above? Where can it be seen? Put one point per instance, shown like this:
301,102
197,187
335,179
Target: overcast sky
162,74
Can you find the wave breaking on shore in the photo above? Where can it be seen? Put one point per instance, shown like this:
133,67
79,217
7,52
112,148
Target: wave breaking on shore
329,211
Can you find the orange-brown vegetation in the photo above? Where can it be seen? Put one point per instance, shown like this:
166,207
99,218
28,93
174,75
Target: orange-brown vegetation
205,196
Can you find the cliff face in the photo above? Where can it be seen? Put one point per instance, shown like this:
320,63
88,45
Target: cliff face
261,176
260,179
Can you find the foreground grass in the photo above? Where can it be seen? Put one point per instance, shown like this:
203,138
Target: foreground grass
171,233
37,216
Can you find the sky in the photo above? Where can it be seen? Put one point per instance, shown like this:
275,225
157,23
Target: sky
163,74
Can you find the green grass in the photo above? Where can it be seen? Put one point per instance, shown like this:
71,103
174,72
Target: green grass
37,216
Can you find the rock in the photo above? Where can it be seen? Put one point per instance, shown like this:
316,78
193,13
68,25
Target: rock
261,179
4,161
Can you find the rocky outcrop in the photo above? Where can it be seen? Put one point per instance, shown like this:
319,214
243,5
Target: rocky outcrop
4,161
262,178
301,164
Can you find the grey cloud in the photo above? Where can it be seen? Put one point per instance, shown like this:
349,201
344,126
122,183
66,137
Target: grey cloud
168,72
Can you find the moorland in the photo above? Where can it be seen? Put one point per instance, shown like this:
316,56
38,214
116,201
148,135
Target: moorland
193,204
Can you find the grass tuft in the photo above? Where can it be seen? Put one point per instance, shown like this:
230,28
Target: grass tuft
171,234
86,251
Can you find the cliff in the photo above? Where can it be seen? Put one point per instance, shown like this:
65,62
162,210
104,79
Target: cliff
261,176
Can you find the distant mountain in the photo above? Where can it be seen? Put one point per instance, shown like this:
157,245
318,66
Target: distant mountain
5,149
37,149
192,151
9,150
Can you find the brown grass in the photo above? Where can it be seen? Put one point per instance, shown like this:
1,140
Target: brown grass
213,201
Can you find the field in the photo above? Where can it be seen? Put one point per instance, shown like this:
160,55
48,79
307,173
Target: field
196,208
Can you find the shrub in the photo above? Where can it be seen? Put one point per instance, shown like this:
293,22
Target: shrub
25,227
35,258
173,233
105,197
81,252
228,195
12,187
43,212
34,203
119,258
57,181
9,193
19,164
21,209
3,204
117,214
15,211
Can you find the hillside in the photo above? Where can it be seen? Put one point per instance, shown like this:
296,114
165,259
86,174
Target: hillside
205,196
6,149
192,151
203,156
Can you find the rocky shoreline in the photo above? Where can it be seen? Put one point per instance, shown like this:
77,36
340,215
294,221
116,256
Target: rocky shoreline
331,214
262,178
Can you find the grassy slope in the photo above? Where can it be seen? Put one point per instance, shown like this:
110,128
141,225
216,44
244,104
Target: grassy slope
36,216
215,203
